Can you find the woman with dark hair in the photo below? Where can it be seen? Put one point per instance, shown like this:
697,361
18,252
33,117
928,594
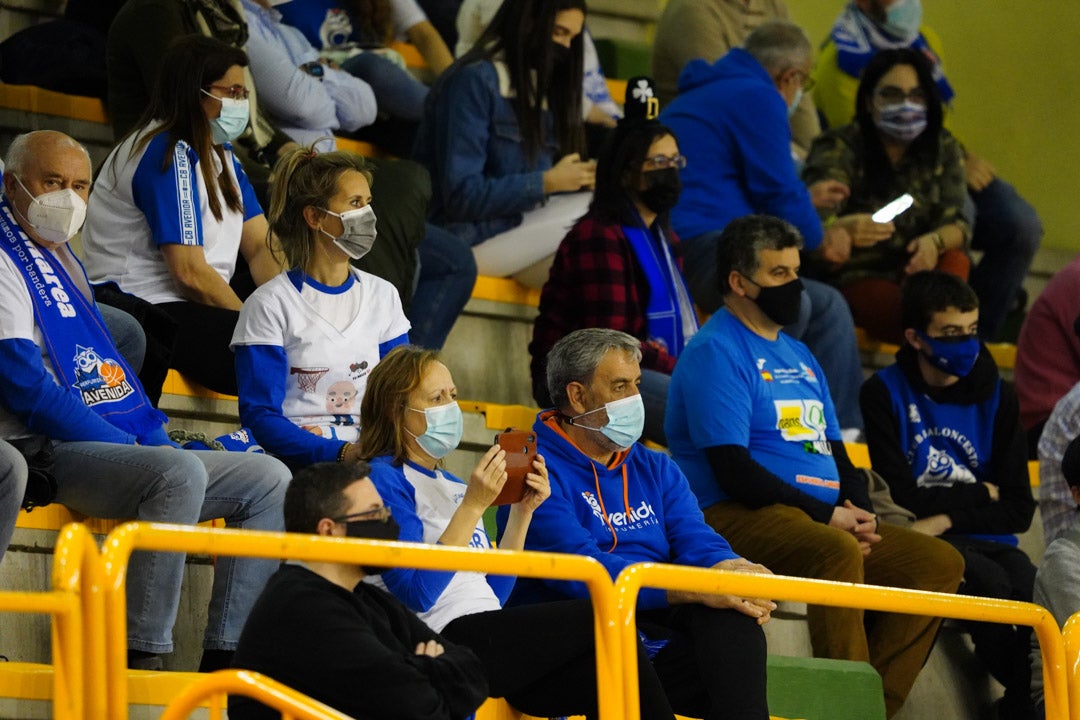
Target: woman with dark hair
172,208
896,146
307,340
618,267
502,135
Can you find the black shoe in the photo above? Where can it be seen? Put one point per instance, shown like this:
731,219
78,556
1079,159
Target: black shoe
142,660
215,660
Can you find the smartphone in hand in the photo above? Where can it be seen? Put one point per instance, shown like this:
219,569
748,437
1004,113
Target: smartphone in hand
893,208
520,447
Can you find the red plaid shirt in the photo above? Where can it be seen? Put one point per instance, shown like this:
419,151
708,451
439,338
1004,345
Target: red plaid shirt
595,281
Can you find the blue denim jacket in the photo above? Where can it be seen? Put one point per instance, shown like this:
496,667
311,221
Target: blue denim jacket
469,139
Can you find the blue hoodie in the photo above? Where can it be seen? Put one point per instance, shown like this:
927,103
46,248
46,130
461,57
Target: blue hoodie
640,509
732,124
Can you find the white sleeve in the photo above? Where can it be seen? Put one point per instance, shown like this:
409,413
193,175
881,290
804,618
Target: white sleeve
472,20
17,320
262,319
354,100
404,14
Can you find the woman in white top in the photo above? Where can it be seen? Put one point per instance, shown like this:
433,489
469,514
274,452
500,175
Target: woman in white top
172,207
307,340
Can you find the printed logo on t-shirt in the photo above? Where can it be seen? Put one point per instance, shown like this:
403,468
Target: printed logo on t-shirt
818,482
913,414
99,380
943,470
336,28
808,373
800,420
765,374
636,518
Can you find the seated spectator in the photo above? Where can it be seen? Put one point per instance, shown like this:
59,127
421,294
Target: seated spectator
895,146
172,207
751,423
318,628
307,340
1057,507
944,432
618,267
1057,582
66,386
1048,351
308,99
619,503
707,30
732,118
1006,228
13,475
541,658
491,130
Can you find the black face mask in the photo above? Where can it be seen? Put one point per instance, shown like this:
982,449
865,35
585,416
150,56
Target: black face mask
373,530
780,303
662,189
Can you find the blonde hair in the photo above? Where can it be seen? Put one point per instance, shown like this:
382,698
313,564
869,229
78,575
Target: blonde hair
382,411
304,177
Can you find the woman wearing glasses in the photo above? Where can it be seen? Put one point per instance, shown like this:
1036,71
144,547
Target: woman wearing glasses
618,267
896,145
171,208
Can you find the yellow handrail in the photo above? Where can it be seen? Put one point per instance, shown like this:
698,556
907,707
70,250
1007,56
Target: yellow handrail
248,543
1071,634
837,594
216,686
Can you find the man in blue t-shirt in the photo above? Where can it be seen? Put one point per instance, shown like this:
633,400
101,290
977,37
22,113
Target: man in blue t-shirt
751,424
944,431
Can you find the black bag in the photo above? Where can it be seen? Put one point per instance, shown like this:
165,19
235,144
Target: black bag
40,482
62,55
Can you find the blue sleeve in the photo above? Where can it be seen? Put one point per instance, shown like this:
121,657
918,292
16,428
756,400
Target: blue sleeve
168,198
502,586
466,108
772,183
385,347
693,542
252,208
418,589
30,393
261,371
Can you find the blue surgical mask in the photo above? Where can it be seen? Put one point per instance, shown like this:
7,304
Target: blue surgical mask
444,429
955,355
795,102
902,19
902,121
232,121
626,420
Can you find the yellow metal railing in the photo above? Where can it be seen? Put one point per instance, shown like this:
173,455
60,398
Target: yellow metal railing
1071,634
216,687
836,594
247,543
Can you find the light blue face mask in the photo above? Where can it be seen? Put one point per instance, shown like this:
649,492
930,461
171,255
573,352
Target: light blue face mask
902,19
795,102
444,429
232,121
626,420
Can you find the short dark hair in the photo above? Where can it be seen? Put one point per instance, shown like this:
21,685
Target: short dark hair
929,291
740,245
1070,463
317,492
619,168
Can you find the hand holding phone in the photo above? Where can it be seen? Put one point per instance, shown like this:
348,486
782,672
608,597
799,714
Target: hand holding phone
520,448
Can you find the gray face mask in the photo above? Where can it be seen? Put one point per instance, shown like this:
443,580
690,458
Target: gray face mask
358,235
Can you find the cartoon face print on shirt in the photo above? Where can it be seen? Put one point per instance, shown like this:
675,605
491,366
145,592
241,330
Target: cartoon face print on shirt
942,470
336,28
341,402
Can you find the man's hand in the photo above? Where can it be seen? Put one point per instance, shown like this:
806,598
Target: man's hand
860,523
978,172
430,648
994,492
757,608
933,525
835,246
924,254
827,194
864,231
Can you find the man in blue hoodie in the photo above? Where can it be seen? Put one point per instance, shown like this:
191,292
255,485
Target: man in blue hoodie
733,117
620,503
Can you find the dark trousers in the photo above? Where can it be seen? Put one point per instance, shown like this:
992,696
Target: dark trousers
997,570
201,349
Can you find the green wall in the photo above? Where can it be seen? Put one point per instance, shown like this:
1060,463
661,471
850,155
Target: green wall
1016,69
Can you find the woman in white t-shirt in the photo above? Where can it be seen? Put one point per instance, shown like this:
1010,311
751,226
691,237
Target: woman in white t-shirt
171,208
307,340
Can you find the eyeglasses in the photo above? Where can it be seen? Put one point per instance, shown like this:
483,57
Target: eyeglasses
808,82
892,95
236,92
382,514
663,162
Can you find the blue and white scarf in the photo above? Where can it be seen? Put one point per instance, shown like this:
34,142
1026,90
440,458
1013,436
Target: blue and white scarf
857,39
669,313
80,348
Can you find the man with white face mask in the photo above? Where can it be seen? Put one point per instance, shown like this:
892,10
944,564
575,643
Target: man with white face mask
621,503
1006,227
67,390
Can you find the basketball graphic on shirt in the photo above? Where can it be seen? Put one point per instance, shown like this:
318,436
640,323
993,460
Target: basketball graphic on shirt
111,373
99,379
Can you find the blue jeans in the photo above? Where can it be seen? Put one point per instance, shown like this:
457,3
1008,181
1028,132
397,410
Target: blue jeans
127,335
165,484
1008,231
397,92
824,325
12,487
447,274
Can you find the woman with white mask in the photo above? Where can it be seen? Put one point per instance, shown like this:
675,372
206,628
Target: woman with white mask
307,340
896,146
172,208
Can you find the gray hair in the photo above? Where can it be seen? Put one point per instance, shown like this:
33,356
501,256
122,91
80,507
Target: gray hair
740,245
575,358
20,147
779,45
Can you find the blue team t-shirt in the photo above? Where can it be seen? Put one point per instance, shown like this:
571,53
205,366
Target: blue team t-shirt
734,387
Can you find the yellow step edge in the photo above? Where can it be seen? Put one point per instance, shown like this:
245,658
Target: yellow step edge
177,384
47,102
505,290
500,417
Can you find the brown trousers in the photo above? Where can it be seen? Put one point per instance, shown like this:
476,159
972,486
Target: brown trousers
785,540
